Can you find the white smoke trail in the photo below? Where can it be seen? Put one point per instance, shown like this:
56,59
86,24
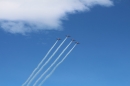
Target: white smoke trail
39,64
56,66
52,64
45,63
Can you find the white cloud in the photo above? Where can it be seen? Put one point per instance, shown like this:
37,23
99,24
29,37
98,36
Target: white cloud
21,16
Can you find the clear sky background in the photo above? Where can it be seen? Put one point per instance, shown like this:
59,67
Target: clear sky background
101,59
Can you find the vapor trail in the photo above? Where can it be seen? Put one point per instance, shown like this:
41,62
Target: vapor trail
52,64
56,66
39,64
45,63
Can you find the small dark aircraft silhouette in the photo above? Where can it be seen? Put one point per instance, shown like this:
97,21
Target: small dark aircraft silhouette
67,36
72,40
58,39
77,42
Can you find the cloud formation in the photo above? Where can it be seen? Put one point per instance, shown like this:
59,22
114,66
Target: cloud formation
21,16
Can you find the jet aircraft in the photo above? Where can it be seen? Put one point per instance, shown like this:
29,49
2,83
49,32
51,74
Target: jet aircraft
58,39
72,40
67,36
77,42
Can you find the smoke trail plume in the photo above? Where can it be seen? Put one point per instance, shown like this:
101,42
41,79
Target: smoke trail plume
56,66
45,63
52,64
39,65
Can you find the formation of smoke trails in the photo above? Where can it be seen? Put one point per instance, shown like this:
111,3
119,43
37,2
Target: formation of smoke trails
45,63
52,64
39,64
56,66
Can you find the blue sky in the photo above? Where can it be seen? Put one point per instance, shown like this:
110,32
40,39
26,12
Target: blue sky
101,59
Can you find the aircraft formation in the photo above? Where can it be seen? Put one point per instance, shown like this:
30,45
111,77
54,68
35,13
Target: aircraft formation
38,76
